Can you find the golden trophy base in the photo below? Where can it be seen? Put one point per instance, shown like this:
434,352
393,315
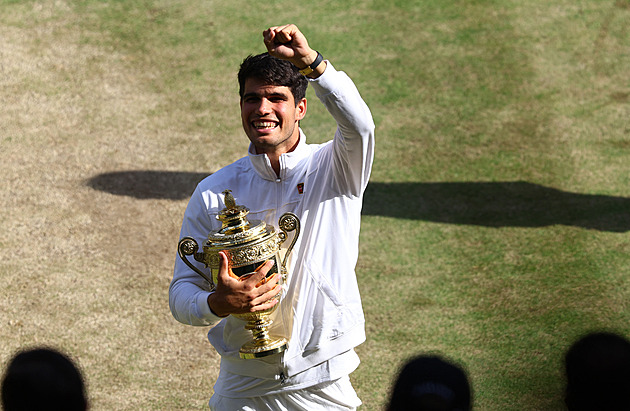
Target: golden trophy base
263,344
262,348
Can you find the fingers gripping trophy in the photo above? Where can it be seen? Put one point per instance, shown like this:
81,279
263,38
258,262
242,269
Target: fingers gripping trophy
248,245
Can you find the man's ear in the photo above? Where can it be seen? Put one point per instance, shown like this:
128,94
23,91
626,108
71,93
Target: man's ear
300,110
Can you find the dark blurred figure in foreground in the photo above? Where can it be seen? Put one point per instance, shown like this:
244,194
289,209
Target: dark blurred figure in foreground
598,373
429,383
42,379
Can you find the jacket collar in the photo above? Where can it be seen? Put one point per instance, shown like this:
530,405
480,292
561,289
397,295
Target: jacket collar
288,161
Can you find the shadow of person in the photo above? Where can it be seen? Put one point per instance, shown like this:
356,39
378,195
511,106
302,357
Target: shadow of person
488,204
148,184
497,204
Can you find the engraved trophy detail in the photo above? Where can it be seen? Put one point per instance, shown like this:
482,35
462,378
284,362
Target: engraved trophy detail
248,245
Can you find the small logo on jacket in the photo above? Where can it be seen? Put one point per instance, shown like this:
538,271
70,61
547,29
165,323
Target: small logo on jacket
300,188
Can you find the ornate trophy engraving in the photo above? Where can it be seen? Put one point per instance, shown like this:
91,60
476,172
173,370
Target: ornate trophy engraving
248,245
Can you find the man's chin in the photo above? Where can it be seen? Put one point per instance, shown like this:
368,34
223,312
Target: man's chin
262,145
264,134
262,141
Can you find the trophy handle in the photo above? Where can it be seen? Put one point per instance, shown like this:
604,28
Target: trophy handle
189,246
288,222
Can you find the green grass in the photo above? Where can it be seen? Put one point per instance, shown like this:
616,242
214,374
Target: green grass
496,227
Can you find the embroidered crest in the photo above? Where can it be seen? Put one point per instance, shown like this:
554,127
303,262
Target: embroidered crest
300,188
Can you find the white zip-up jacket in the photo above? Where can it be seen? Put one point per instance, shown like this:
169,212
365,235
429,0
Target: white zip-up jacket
323,184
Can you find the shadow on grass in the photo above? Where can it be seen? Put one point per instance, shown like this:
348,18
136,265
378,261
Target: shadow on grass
497,204
491,204
145,184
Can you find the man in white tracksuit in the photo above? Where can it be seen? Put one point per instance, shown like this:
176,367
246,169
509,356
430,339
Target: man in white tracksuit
320,310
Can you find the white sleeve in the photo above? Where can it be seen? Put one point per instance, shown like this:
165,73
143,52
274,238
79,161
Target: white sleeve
353,145
188,292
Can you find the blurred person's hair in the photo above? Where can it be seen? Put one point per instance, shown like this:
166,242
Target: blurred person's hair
42,379
430,383
597,369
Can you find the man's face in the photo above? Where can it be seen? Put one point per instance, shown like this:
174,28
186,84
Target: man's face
270,116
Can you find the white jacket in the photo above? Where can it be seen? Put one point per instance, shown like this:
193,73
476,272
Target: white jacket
321,306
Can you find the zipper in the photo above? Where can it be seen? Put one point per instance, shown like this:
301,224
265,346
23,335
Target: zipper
278,198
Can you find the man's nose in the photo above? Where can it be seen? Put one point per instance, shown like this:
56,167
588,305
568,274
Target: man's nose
264,106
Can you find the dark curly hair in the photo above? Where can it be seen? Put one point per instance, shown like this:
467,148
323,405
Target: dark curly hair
272,71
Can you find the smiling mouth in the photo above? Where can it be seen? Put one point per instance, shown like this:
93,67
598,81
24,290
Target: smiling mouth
264,125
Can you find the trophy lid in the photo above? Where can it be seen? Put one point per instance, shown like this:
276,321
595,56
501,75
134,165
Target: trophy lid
236,229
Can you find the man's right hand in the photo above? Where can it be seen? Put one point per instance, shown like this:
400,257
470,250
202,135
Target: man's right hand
288,43
234,295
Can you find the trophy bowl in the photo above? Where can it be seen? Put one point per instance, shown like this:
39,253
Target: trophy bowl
248,245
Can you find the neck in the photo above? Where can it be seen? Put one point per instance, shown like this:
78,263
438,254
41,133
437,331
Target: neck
274,159
274,153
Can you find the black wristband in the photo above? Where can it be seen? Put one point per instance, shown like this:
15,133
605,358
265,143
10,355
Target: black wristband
309,69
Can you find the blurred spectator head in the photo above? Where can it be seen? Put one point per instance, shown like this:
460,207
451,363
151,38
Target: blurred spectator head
598,373
430,383
42,379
